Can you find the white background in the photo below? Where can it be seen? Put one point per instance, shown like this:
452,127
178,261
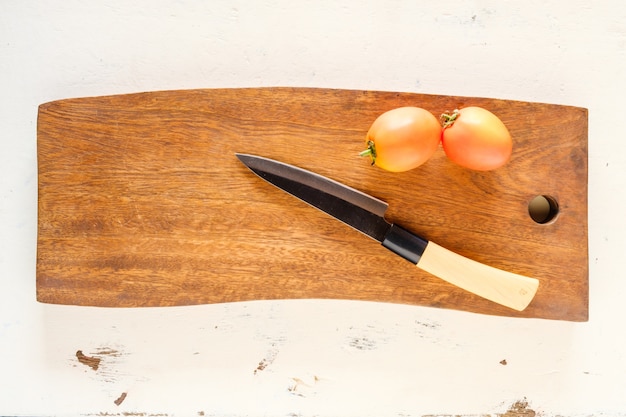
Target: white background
327,358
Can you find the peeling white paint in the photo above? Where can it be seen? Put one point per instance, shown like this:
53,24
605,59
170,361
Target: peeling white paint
326,358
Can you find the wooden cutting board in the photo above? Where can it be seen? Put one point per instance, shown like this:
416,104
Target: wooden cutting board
142,202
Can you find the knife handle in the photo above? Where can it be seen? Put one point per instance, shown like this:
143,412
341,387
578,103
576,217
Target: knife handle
502,287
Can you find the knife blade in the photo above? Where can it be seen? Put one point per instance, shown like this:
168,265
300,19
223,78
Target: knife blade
367,215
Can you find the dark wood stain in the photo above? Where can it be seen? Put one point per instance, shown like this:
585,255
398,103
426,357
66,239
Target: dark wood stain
519,409
262,365
90,361
120,399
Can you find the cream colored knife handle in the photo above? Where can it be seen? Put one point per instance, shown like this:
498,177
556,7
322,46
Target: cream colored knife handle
502,287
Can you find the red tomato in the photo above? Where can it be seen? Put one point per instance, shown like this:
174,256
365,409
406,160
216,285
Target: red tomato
402,139
477,139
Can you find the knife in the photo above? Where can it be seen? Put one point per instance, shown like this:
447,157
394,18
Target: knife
367,215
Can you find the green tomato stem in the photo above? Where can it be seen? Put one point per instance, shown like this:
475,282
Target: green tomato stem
370,151
449,119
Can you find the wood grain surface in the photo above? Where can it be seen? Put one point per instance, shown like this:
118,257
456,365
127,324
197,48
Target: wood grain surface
142,202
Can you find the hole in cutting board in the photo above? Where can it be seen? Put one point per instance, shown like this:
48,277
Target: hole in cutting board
543,209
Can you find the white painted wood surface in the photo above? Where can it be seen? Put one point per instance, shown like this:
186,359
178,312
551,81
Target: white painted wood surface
327,358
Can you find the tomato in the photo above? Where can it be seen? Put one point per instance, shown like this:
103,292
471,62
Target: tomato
402,139
477,139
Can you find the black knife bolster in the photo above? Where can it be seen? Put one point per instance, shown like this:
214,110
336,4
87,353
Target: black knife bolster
404,243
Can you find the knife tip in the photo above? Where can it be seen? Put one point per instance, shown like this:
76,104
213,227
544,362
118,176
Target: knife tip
246,159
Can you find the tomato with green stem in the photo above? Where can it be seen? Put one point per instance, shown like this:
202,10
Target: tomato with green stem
476,139
402,139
